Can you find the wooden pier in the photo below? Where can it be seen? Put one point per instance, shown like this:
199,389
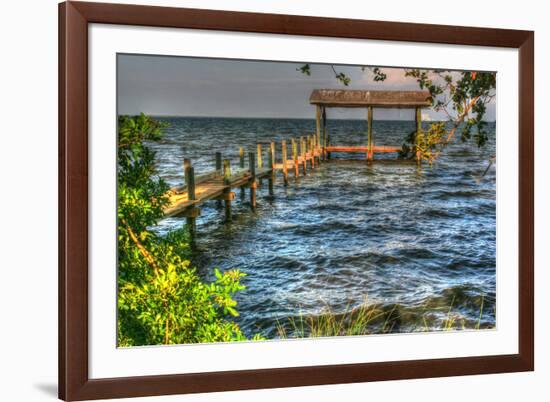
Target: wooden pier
219,184
296,156
208,187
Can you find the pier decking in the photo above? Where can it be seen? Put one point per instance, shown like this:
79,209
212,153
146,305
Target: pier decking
210,187
185,200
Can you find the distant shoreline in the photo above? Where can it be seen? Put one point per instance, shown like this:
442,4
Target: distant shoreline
281,118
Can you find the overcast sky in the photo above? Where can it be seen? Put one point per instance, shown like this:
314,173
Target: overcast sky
182,86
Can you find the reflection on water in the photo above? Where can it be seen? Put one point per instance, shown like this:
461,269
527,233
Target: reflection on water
421,239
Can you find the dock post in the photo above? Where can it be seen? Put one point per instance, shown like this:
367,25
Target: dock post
318,112
241,165
271,164
312,150
272,155
295,156
186,164
370,154
418,118
285,167
313,158
303,154
320,149
259,154
327,145
252,167
241,157
260,162
316,152
190,181
227,190
219,171
325,136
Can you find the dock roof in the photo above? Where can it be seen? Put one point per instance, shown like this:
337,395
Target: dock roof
363,98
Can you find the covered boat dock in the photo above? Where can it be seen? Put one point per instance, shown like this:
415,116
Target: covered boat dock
345,98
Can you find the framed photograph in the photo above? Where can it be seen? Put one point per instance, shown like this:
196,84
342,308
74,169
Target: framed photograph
261,200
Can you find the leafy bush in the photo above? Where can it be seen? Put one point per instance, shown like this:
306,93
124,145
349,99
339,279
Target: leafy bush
161,299
463,97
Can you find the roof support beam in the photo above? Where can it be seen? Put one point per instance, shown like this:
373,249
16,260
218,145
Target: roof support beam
418,119
370,144
318,121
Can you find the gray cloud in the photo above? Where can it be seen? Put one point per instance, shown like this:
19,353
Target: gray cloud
184,86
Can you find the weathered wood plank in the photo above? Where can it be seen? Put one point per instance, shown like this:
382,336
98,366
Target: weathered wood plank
198,179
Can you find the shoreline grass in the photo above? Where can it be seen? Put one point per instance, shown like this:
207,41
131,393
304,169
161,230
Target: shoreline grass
371,319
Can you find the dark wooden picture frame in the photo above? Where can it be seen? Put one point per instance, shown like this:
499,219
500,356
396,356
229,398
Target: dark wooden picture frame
74,382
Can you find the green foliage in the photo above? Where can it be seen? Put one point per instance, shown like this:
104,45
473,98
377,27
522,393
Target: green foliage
132,131
305,69
161,299
343,78
352,321
378,75
340,76
463,97
369,318
425,143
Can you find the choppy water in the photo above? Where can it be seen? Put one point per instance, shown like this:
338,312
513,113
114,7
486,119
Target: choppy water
424,240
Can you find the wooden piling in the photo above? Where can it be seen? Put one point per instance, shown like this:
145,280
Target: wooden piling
271,164
186,164
317,152
327,153
418,119
325,135
271,156
252,167
227,191
303,154
259,155
318,112
370,154
219,170
285,167
241,157
295,156
190,182
260,162
312,150
241,165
